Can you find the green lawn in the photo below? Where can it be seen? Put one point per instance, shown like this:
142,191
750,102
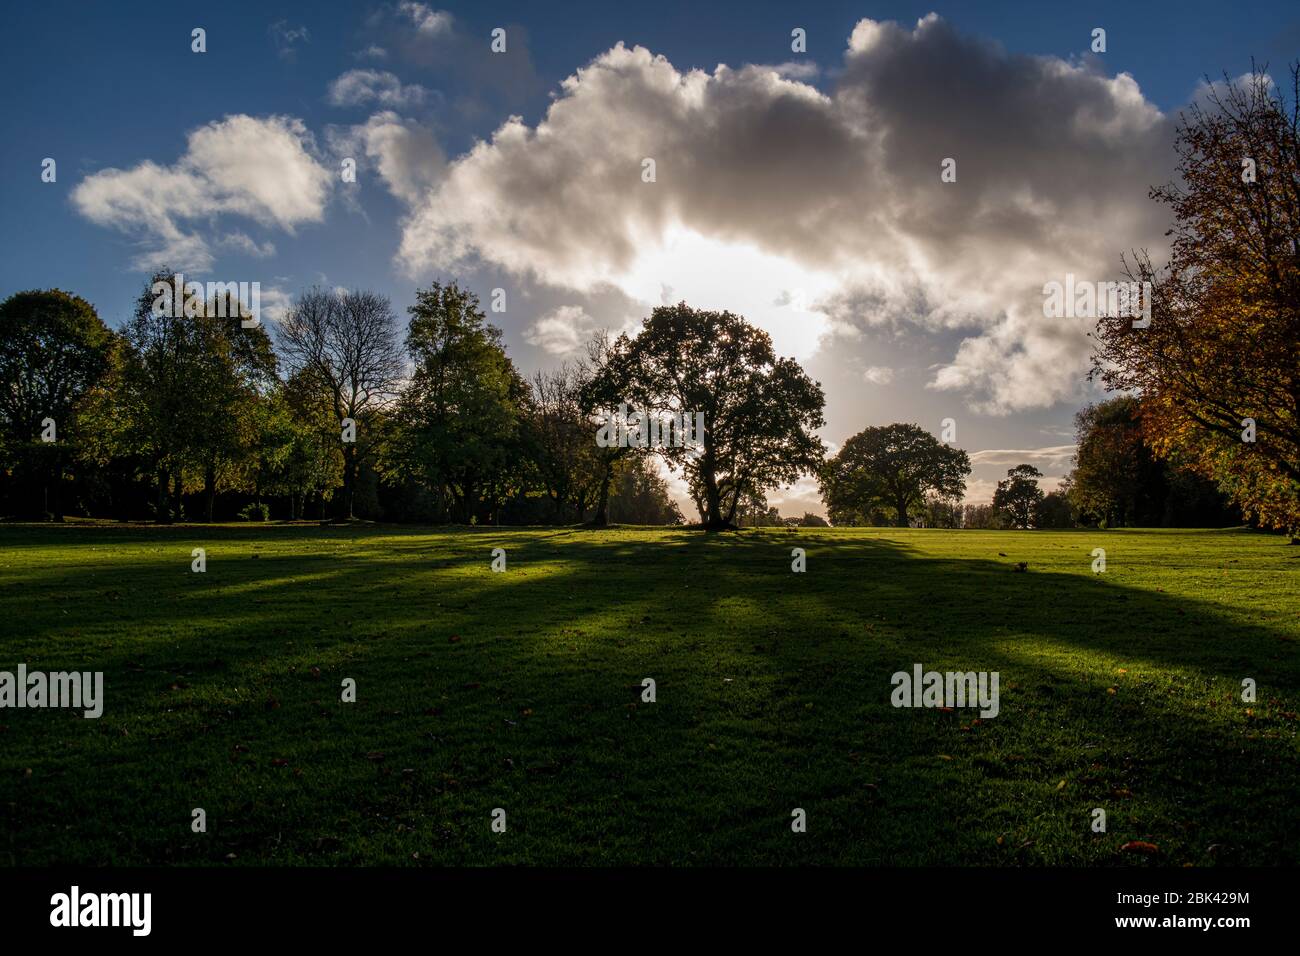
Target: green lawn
522,690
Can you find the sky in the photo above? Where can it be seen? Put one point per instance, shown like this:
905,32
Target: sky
799,188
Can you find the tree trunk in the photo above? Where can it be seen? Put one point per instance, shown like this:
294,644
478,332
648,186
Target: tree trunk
162,514
349,482
901,505
601,518
53,505
209,491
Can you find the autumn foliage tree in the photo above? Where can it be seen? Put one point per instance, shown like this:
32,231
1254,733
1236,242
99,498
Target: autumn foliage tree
1218,368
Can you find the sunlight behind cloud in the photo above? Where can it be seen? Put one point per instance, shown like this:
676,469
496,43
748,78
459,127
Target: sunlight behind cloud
774,293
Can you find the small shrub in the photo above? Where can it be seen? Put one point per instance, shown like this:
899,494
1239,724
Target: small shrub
255,512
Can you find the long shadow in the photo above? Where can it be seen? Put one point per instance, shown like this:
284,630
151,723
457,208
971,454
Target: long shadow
523,690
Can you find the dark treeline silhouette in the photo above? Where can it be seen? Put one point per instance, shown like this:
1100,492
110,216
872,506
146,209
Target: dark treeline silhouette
185,414
193,413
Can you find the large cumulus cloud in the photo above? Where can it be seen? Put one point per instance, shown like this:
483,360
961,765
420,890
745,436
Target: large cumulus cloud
1054,159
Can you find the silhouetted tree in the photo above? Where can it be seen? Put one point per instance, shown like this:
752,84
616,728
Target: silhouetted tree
346,344
1019,495
53,349
760,412
894,466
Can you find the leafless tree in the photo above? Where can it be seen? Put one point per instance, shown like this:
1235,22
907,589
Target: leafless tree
346,343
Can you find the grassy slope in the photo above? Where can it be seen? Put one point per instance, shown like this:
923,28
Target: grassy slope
1119,691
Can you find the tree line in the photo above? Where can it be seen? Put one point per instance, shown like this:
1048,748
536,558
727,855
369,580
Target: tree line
190,415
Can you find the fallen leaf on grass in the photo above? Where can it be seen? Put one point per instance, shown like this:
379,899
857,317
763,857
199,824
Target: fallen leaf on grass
1139,846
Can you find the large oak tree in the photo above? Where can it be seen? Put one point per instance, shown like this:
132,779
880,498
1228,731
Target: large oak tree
761,412
892,465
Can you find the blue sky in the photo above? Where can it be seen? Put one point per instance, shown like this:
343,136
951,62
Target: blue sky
115,86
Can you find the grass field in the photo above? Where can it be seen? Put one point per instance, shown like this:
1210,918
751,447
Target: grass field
522,690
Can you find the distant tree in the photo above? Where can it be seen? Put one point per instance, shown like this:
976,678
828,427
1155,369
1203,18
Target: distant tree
893,466
1220,361
346,344
233,382
983,518
761,412
1019,495
313,466
754,512
162,395
1119,480
640,495
192,392
942,512
458,419
1115,475
603,380
560,437
1054,511
53,350
809,520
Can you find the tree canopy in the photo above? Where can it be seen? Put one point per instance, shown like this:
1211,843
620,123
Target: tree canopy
1218,368
893,466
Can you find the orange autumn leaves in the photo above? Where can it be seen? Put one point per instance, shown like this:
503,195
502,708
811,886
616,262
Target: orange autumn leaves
1218,369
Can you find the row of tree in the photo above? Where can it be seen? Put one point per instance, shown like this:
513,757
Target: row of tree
186,413
186,409
176,413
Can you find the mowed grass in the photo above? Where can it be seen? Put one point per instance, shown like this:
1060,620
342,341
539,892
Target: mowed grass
522,690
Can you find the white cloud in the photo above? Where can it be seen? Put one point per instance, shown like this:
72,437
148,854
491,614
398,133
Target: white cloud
803,496
359,87
262,169
425,19
878,375
562,331
1056,456
242,242
766,184
275,303
404,152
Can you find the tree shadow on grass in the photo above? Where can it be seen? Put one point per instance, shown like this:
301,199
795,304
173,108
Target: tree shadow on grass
523,691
